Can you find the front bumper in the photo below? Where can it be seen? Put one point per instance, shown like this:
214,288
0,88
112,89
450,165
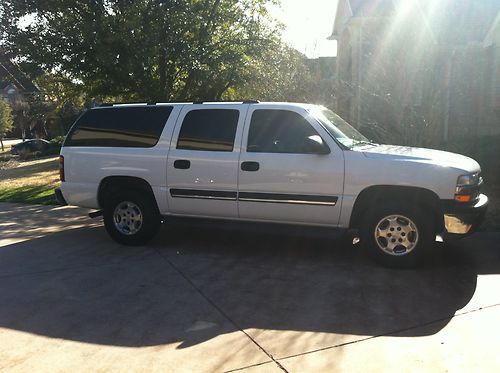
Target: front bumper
464,219
60,197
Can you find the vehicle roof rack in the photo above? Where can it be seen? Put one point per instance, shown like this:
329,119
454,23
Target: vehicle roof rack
111,104
224,101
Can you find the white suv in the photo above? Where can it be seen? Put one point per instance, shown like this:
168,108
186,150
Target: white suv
268,162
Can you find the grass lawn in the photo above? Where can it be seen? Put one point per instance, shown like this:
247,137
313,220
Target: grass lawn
29,181
40,195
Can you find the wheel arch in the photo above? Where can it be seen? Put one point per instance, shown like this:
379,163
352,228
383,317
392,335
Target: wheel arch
114,184
373,195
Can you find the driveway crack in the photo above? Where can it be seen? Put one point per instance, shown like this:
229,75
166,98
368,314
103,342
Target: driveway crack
386,334
218,309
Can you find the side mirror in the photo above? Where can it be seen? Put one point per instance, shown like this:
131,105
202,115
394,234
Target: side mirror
316,145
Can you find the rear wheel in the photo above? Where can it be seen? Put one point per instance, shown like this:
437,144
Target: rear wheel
131,218
397,236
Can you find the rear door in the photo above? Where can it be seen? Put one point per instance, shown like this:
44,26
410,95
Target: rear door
284,175
202,167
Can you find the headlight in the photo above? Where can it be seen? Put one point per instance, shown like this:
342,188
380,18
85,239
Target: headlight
471,179
467,188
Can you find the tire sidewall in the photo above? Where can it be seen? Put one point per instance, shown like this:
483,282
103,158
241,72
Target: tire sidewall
150,223
414,258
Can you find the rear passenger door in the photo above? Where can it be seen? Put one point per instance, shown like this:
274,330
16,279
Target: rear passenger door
202,167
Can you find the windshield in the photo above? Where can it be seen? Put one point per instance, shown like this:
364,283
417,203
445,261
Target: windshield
338,128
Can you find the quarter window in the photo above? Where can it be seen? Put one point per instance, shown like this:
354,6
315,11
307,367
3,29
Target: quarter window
280,131
135,127
209,130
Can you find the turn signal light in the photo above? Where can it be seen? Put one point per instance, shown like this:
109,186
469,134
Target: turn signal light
61,168
463,197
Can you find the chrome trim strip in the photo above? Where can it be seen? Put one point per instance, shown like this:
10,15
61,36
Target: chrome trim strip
288,198
290,201
203,197
223,195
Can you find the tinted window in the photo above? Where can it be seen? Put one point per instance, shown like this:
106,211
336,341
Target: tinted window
137,127
280,131
209,129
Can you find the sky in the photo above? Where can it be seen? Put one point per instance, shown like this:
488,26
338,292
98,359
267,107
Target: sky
308,24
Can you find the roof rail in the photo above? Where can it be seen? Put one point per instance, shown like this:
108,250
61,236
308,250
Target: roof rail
224,101
110,104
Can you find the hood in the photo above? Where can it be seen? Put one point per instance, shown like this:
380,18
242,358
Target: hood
422,155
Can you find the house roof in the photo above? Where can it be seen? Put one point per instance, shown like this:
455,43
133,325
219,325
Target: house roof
361,8
451,21
11,73
347,9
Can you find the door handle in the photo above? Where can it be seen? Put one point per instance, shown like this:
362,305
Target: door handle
250,166
182,164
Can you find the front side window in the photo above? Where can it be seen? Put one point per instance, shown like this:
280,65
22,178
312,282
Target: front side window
209,130
282,131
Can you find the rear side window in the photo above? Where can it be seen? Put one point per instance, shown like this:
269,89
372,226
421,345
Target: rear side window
279,131
209,130
133,127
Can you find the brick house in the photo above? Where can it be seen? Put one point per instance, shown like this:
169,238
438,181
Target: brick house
15,86
426,72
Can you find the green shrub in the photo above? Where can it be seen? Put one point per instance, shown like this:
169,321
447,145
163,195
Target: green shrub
57,140
54,147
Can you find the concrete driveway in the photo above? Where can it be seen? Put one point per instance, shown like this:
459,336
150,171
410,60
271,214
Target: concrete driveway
215,297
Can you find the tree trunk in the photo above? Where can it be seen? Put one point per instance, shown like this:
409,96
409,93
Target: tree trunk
187,86
221,91
1,142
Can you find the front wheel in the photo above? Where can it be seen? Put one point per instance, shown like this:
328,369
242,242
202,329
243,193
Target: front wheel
131,219
397,236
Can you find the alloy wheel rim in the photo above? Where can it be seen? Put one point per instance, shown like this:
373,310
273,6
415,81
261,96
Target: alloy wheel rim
396,235
127,218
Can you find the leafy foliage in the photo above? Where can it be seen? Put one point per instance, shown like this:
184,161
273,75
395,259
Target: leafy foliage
152,50
6,119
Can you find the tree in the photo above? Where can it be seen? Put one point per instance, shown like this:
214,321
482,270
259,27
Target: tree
6,120
146,49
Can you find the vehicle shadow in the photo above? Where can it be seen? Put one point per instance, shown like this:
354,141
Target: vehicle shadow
195,282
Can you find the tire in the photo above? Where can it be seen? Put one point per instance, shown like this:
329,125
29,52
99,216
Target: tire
131,218
398,236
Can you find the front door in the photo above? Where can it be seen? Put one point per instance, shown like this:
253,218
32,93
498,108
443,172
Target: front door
290,170
203,160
